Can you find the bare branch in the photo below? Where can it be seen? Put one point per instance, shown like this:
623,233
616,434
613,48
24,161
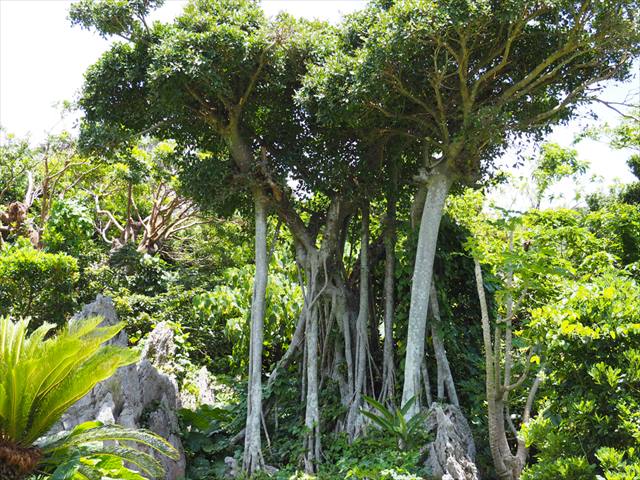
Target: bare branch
614,106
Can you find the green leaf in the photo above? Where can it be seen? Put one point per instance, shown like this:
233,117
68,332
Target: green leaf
407,406
67,470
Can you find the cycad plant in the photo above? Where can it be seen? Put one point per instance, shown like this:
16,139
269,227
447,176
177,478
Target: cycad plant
41,376
88,452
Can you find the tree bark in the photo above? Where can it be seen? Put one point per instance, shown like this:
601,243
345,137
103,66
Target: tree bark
283,364
445,378
294,345
387,393
348,348
417,206
354,418
312,414
490,381
313,293
427,382
508,465
439,186
252,459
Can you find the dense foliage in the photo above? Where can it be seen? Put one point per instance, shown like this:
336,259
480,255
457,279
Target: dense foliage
37,284
394,278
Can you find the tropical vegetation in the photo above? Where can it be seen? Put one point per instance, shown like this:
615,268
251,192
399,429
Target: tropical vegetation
42,376
345,225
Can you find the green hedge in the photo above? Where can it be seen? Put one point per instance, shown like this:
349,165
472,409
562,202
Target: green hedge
37,284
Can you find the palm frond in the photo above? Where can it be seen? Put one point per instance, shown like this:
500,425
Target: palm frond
40,377
96,432
100,448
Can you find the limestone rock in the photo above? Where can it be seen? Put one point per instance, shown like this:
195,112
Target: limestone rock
232,470
136,396
270,470
452,453
160,349
197,390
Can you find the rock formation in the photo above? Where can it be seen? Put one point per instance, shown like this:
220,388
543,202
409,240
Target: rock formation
197,390
137,396
451,455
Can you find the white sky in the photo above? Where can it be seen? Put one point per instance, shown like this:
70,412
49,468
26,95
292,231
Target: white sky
43,58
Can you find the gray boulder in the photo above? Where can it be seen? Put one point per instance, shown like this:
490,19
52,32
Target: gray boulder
197,389
137,396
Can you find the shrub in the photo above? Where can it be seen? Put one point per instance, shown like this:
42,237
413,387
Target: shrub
140,272
69,228
591,409
37,284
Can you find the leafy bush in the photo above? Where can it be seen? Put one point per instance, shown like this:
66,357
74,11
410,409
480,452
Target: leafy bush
205,435
619,465
140,272
199,338
69,227
591,408
374,456
37,284
16,159
227,307
618,225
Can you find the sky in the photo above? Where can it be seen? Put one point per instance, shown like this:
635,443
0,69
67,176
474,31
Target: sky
43,58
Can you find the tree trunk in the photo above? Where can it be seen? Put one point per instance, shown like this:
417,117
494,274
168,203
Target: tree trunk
252,460
312,415
354,418
417,206
17,462
508,466
387,393
445,378
294,345
427,382
45,202
491,384
128,229
421,285
283,364
348,348
339,376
